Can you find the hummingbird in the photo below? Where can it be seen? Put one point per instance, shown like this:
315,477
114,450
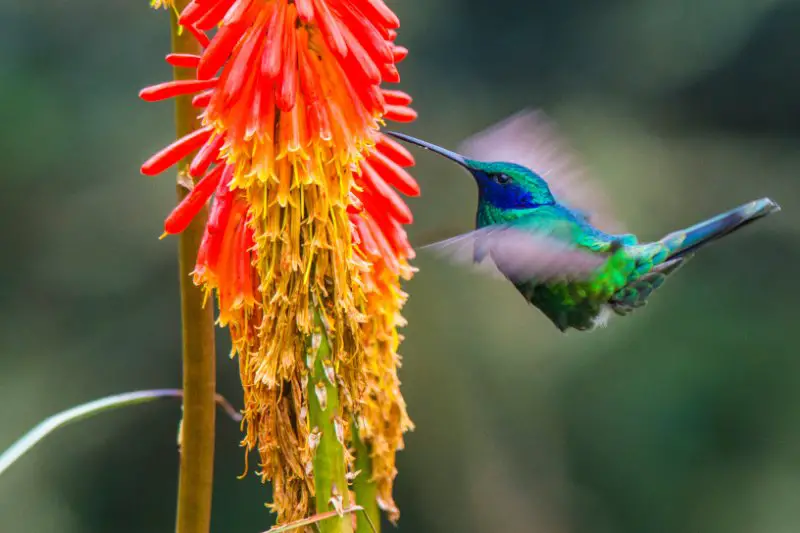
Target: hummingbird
534,227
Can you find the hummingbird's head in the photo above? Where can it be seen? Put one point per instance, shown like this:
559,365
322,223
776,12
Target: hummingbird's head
505,186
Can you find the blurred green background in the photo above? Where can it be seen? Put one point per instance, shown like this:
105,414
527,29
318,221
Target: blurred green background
682,418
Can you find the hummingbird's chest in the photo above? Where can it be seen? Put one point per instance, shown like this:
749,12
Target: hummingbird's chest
567,305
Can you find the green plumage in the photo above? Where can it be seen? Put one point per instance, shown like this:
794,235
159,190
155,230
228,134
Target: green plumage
576,274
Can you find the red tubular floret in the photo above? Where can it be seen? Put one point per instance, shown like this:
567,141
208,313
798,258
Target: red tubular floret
330,28
399,113
170,89
213,15
202,99
200,35
382,243
305,10
176,151
205,156
393,174
183,60
384,195
394,151
376,9
368,245
400,53
185,211
271,60
393,97
286,88
191,14
218,51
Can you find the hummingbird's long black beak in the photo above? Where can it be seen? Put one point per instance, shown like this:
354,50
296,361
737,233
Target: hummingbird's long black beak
452,156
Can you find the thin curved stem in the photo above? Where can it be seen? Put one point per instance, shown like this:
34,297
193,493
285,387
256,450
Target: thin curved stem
86,410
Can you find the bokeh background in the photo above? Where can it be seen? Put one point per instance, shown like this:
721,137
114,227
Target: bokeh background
684,417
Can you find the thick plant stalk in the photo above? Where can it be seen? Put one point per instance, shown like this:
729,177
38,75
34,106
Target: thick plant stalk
327,434
199,379
365,489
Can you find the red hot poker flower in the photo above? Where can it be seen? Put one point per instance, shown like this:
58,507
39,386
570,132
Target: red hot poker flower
306,217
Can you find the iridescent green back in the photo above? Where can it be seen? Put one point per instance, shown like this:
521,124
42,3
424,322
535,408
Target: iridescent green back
623,284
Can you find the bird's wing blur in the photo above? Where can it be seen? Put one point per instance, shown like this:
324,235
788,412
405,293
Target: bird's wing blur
530,139
519,255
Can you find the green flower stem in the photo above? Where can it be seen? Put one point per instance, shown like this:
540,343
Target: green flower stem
325,417
199,373
365,489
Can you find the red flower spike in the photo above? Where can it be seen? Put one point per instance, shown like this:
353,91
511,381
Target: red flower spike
176,151
298,98
185,211
183,60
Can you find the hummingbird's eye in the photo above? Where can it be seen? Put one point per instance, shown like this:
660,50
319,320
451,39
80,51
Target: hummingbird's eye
501,179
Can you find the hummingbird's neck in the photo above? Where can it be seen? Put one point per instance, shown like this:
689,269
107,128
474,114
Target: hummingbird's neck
489,214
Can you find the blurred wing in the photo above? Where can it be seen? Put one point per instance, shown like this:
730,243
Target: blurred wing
519,255
530,139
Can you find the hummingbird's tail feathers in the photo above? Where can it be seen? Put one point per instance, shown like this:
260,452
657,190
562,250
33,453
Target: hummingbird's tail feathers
520,255
683,242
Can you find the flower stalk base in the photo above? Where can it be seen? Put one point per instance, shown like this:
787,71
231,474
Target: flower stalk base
326,436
